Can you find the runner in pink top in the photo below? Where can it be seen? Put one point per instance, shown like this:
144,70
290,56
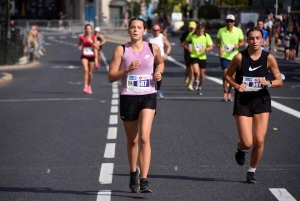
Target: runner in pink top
87,43
133,63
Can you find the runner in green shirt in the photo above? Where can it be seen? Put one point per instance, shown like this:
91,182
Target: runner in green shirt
229,39
200,44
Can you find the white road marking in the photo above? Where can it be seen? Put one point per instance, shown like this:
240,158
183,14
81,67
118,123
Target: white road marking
114,109
47,44
77,83
115,96
112,133
47,99
219,81
110,150
173,44
216,54
115,90
289,98
50,37
74,36
62,37
175,168
282,194
297,78
67,67
48,171
104,195
106,173
114,101
113,119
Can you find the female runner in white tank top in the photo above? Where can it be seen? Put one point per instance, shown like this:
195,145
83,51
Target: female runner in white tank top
161,41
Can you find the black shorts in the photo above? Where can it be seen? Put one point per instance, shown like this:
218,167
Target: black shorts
202,63
131,105
249,103
187,59
90,59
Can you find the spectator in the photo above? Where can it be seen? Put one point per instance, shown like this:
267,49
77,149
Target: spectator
298,44
125,21
293,45
286,47
13,32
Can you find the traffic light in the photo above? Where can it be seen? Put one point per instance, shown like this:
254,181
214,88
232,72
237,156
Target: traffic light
250,3
262,3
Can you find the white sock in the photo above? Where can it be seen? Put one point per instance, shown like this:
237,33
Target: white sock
251,169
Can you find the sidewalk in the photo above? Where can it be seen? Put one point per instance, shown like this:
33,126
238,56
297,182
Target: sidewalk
6,77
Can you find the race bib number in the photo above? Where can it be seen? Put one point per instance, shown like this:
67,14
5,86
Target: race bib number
252,83
198,47
88,51
229,48
138,83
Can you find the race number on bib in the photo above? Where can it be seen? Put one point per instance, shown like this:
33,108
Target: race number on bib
138,83
252,83
88,51
229,48
198,47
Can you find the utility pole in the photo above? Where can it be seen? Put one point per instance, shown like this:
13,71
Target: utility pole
187,11
276,8
96,13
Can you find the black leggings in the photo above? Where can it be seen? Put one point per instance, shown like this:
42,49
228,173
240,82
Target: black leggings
158,84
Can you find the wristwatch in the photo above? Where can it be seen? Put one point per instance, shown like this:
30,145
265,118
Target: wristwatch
270,85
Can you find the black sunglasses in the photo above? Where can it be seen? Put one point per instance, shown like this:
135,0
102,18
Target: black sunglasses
231,21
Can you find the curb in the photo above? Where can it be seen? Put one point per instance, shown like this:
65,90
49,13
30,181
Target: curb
19,66
5,77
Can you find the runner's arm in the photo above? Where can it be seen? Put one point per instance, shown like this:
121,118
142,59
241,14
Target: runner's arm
167,43
95,43
103,39
273,66
233,66
114,74
79,44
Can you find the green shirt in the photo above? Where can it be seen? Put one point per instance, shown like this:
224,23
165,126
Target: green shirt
228,40
199,42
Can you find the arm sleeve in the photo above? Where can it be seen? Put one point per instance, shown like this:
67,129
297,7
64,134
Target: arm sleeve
189,37
209,41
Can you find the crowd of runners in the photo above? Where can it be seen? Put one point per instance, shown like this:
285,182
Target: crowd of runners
139,65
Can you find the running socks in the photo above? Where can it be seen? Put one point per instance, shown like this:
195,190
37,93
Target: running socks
251,169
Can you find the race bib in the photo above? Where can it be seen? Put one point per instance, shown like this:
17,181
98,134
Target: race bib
198,47
88,51
229,48
252,83
138,83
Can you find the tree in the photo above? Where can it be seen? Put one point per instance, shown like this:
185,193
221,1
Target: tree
209,12
236,3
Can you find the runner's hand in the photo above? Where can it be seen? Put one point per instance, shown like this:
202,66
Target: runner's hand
79,47
264,82
236,46
135,65
202,50
157,75
165,57
241,87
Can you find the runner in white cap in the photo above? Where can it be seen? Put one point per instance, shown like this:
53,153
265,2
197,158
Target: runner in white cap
101,41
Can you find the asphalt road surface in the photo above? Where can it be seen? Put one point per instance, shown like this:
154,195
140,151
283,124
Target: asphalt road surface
57,143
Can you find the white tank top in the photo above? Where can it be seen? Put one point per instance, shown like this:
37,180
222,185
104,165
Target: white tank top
159,42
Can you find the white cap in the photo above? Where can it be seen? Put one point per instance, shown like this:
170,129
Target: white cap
230,17
97,29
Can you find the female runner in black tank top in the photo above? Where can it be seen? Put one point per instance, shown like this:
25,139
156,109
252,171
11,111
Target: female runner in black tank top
252,99
101,41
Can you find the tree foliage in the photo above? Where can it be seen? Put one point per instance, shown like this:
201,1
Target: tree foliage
235,3
209,12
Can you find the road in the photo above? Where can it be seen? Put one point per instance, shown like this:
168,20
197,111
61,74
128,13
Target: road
57,143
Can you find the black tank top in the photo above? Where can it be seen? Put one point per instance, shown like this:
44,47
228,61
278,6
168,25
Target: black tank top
99,39
251,68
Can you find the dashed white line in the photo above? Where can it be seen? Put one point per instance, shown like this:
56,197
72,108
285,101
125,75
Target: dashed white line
282,194
114,102
113,119
47,99
104,195
114,109
110,150
106,173
115,90
112,133
115,96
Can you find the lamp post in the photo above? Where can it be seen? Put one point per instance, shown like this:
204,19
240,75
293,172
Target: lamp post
286,20
187,11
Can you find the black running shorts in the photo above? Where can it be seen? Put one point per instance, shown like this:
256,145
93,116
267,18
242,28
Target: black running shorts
187,59
202,63
131,105
249,103
90,59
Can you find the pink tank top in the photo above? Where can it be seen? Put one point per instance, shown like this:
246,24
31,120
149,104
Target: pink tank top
139,81
87,47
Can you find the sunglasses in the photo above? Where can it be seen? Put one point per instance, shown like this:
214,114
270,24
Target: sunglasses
229,21
156,30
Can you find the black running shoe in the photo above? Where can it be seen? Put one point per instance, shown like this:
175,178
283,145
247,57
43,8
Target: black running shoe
134,183
250,178
144,186
240,156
